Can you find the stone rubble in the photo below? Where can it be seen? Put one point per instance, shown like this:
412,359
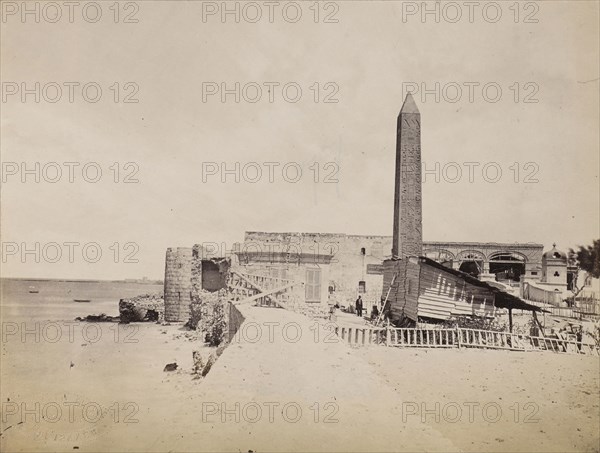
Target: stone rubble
143,308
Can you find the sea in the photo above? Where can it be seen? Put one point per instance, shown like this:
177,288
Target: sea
54,300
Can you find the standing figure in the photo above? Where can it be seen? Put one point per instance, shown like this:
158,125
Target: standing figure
359,306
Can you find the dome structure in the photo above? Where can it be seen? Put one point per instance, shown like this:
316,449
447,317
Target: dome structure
554,254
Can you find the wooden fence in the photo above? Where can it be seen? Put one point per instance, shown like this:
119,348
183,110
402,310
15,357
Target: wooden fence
459,338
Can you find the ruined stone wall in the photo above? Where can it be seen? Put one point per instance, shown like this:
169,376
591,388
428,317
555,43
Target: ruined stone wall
146,307
347,268
184,279
178,284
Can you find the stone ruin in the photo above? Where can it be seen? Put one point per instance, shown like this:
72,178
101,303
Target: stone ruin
209,313
190,277
196,292
147,307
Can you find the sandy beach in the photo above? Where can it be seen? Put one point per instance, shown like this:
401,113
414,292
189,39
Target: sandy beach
285,383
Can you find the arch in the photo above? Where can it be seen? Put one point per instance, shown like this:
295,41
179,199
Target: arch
507,256
471,267
470,255
507,265
471,262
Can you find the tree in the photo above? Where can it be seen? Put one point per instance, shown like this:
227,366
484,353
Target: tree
586,259
589,259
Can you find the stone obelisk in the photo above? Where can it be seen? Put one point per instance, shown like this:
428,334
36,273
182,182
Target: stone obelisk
407,234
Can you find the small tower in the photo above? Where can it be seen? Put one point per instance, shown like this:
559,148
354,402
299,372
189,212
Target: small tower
554,268
178,284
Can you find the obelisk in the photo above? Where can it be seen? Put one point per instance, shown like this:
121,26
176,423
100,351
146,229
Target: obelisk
407,234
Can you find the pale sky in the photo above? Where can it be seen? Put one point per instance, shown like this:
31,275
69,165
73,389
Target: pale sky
367,56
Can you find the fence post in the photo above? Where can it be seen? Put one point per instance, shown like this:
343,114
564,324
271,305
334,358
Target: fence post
388,336
458,336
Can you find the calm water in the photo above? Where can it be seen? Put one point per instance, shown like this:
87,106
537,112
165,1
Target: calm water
54,302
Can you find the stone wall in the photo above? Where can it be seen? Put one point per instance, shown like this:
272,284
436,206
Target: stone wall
235,321
348,266
216,317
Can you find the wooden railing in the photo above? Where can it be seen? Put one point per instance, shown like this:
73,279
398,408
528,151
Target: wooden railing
459,338
475,338
261,289
563,345
363,336
427,338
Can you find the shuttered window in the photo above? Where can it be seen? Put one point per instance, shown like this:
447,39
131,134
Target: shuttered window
313,285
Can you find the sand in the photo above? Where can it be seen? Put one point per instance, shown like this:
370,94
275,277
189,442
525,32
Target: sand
307,393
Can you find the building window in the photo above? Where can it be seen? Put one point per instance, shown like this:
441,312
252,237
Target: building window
362,287
363,251
313,285
556,274
533,273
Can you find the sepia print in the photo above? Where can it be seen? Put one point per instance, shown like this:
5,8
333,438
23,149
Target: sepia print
304,226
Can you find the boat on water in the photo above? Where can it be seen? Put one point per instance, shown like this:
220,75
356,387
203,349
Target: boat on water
33,290
82,300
